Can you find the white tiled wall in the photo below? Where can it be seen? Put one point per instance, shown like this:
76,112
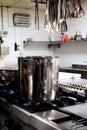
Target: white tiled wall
69,52
72,53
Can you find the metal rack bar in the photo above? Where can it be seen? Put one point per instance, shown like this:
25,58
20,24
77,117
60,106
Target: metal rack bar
40,1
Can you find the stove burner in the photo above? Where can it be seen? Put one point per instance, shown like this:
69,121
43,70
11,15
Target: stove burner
35,106
8,91
32,103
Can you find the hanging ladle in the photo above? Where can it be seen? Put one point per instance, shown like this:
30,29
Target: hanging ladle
36,15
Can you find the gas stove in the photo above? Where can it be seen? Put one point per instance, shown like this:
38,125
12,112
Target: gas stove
63,99
68,95
47,113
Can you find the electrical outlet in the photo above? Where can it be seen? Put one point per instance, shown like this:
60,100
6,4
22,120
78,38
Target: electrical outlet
3,33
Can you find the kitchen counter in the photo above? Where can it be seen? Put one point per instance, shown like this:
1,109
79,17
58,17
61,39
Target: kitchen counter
39,121
76,68
73,80
78,110
73,70
52,119
9,67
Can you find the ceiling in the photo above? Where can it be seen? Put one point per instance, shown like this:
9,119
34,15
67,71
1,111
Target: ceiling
25,4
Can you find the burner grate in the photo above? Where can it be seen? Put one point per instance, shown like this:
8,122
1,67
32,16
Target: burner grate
35,106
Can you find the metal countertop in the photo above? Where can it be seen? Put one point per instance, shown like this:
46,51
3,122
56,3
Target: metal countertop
40,121
78,110
73,80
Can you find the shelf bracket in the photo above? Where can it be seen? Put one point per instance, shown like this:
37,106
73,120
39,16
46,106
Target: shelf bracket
54,45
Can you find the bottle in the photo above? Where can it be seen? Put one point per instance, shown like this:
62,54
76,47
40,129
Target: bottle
62,37
75,37
66,38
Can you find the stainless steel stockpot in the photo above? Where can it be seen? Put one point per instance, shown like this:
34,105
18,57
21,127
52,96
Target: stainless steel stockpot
39,77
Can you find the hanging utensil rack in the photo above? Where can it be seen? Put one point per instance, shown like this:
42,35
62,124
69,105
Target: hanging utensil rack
39,1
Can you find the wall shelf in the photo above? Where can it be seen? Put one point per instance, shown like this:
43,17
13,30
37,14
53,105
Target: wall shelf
49,43
55,43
